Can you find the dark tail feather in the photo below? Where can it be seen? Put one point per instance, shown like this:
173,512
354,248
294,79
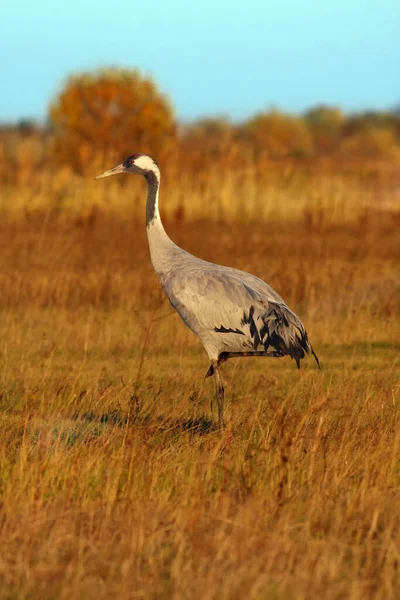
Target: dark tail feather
315,356
210,372
299,354
298,350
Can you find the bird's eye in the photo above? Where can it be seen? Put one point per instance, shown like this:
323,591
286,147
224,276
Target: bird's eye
132,161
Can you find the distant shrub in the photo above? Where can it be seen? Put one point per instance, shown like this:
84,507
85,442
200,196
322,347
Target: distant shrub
326,124
371,143
109,113
370,120
24,152
279,135
210,140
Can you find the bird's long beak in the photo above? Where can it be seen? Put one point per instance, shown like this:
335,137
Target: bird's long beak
119,169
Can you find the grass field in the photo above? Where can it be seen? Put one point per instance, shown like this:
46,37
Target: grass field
113,481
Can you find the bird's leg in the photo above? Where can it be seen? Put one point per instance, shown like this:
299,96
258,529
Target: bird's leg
223,357
268,353
220,395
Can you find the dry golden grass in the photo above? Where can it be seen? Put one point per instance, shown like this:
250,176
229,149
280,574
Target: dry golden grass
327,192
112,481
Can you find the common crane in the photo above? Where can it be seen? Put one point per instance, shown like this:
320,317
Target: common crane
233,312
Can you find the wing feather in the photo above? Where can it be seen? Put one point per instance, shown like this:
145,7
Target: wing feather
236,310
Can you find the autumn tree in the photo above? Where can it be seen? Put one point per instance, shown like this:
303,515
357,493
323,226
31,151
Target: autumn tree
372,143
279,135
371,135
110,114
326,125
371,120
210,140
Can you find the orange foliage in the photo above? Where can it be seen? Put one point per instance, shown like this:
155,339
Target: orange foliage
110,113
278,135
371,143
210,141
326,125
101,117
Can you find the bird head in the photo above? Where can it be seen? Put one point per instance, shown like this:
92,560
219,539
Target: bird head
137,164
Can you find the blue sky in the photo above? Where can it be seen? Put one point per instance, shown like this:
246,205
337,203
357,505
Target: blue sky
211,57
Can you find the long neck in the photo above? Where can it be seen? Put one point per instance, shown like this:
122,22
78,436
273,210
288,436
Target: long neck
159,243
152,213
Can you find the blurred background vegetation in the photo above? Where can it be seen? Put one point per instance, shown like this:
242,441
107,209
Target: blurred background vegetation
212,165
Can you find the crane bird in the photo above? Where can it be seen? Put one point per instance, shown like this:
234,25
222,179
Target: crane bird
233,312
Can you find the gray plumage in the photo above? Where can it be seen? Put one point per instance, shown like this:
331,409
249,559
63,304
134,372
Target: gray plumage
233,312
